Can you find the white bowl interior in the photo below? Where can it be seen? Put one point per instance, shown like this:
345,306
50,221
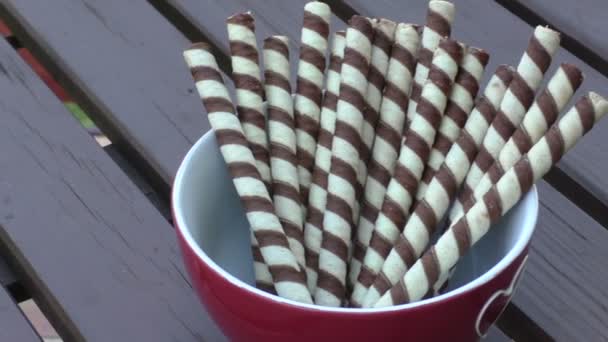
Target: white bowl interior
209,212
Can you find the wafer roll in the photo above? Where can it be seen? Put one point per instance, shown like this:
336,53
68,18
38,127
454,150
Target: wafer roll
439,18
465,232
317,197
535,123
246,75
389,131
412,158
518,99
459,106
281,134
342,180
288,278
263,277
309,86
442,189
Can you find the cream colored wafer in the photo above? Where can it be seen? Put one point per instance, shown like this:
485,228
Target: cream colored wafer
459,106
246,75
535,123
317,197
309,85
342,180
509,189
289,280
442,189
439,18
518,99
388,135
282,138
412,159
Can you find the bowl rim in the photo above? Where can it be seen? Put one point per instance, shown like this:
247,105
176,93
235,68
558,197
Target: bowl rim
180,225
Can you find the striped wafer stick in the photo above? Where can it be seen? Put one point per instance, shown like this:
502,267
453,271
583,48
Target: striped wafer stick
263,277
317,197
246,75
465,232
412,158
518,99
342,179
459,106
389,131
288,278
282,138
442,189
309,86
535,123
439,18
384,36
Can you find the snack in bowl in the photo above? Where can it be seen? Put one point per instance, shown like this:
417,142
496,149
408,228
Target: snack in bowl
346,189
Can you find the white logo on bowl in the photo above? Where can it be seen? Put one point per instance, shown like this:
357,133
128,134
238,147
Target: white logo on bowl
505,292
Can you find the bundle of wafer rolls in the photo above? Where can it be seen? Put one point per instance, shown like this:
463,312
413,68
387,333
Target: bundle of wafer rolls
386,134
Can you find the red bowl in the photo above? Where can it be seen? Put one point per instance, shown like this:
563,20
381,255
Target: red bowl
214,237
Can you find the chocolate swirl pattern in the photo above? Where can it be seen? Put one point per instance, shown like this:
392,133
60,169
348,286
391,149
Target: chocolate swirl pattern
442,188
389,131
342,180
413,157
439,18
518,99
459,106
317,197
287,276
309,85
516,181
283,164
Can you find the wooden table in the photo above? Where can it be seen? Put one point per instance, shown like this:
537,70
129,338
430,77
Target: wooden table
85,231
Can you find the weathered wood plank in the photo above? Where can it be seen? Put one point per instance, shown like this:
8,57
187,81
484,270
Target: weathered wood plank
99,259
123,62
272,17
582,21
13,325
564,288
488,25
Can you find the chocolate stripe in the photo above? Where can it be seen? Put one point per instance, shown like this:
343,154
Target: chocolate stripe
521,90
242,169
330,101
347,132
436,22
389,135
284,273
335,245
278,45
447,180
325,138
394,94
405,57
248,82
556,144
414,142
399,294
366,276
309,90
267,238
467,144
393,212
429,112
243,19
257,203
306,124
379,244
379,172
343,170
272,78
406,251
586,113
218,104
369,212
353,58
503,126
493,204
538,54
319,178
279,115
430,266
426,215
339,207
316,23
331,284
462,235
405,178
312,56
203,73
285,190
244,50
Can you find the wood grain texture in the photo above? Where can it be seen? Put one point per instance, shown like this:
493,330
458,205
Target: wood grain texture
584,21
488,25
7,276
99,259
564,287
272,17
13,324
123,62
